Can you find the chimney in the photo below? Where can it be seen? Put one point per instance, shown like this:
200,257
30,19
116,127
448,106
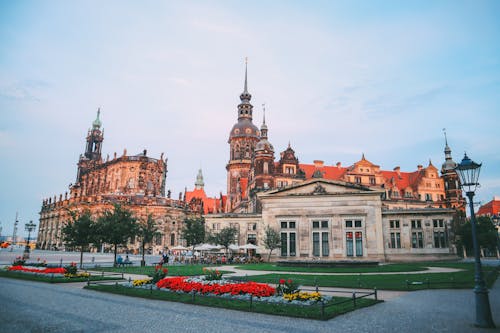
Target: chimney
397,170
419,167
318,163
338,165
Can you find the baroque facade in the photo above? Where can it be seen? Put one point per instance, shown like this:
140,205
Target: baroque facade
137,182
331,211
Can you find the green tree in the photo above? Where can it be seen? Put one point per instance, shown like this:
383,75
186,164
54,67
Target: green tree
79,232
194,230
117,226
272,240
486,234
225,237
147,230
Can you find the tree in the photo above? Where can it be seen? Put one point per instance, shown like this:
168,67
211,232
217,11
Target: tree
225,237
194,231
486,234
147,230
117,226
79,232
272,240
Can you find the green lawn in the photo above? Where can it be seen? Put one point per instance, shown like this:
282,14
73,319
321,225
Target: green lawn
462,279
411,267
338,306
173,270
55,278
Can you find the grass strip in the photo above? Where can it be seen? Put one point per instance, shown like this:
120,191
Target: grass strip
173,270
53,279
339,305
453,280
412,267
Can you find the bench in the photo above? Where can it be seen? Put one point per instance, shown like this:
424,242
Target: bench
123,264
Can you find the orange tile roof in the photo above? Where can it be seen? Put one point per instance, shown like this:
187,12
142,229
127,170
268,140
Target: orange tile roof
210,205
403,179
491,208
329,172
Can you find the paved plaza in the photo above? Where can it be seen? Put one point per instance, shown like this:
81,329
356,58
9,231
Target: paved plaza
40,307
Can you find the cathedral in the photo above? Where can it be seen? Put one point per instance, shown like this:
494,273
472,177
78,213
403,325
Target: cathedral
329,212
134,181
334,212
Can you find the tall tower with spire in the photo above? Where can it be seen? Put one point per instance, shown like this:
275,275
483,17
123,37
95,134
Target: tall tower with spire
454,198
199,184
93,147
242,140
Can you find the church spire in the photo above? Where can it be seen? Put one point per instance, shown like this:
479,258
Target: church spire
245,108
448,164
263,128
97,122
199,184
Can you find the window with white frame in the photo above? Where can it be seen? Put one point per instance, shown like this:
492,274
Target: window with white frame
320,238
354,237
288,235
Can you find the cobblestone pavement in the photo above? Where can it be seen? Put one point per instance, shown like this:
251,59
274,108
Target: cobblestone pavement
39,307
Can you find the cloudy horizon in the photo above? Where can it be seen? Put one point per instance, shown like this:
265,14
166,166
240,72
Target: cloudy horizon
338,79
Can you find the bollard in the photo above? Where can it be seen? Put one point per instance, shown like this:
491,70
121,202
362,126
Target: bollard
88,280
354,298
375,292
60,263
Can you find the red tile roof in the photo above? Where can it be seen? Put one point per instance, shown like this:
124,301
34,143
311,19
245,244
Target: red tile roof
491,208
329,172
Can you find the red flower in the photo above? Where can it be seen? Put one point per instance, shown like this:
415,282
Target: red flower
289,281
282,281
165,270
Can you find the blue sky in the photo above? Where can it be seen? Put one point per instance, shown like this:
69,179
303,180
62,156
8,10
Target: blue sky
338,79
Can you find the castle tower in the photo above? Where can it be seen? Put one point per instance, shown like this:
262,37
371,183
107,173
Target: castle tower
454,197
93,147
263,163
242,140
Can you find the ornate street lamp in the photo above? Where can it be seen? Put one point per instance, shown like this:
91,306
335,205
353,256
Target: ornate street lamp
29,227
468,171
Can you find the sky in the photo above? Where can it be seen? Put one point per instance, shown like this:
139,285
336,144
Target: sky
338,79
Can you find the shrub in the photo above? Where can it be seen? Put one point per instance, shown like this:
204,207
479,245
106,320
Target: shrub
212,274
71,268
160,273
287,287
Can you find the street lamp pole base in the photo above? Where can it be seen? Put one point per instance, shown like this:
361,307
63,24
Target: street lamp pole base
483,311
26,253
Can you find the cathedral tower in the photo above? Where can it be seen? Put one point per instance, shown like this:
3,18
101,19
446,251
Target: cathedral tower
92,155
242,140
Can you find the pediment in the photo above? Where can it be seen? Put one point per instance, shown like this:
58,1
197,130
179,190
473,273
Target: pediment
320,187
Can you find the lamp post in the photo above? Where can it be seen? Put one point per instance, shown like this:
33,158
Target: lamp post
29,227
468,171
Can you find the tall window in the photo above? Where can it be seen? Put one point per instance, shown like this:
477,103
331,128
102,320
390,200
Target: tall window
440,234
372,181
395,240
266,167
417,240
172,239
320,237
354,238
288,239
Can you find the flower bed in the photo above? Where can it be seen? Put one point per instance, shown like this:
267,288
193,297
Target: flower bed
56,270
187,285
